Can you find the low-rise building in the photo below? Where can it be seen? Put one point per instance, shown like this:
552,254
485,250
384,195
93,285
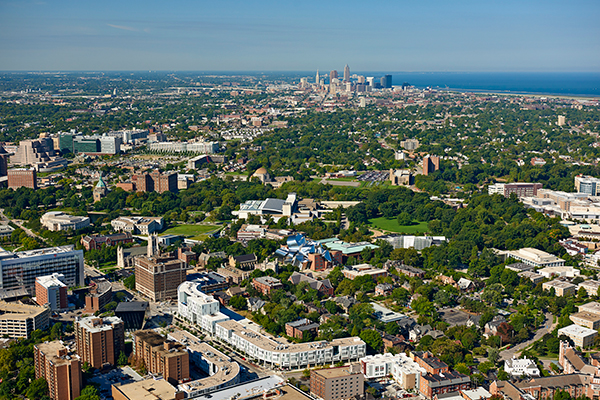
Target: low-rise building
266,284
534,257
51,290
576,385
138,225
518,367
586,319
355,271
532,276
559,272
95,242
431,385
298,329
59,221
244,262
591,307
379,365
324,286
407,372
591,287
561,288
20,320
61,369
99,295
337,383
155,389
581,336
233,275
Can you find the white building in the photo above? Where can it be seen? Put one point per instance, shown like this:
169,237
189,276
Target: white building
59,221
403,369
518,367
275,208
581,336
379,365
558,272
138,225
534,257
591,287
199,307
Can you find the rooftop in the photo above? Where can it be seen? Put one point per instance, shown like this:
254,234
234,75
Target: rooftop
576,330
19,311
95,324
337,372
132,306
148,389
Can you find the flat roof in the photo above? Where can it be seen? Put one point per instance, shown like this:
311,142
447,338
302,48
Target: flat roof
587,316
337,372
51,349
97,324
132,306
19,311
245,390
577,331
148,389
592,307
560,284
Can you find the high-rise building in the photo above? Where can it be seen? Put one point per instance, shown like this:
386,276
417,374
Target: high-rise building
99,340
410,144
51,290
33,151
371,81
317,78
386,81
155,182
333,75
361,79
19,270
161,356
60,368
21,177
587,184
3,161
346,73
158,277
430,164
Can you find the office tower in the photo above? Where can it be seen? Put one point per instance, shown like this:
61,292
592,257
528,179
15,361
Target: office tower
3,162
386,81
62,370
100,340
332,75
430,164
51,290
370,81
346,73
361,79
363,102
317,79
21,177
19,270
159,277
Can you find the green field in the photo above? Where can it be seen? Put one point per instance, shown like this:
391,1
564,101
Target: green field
391,225
193,231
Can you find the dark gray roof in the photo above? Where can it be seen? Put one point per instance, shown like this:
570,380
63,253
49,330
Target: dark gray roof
132,306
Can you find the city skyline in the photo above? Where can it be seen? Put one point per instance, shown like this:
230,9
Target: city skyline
467,36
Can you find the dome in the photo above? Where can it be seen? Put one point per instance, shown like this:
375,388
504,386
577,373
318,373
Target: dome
260,171
101,184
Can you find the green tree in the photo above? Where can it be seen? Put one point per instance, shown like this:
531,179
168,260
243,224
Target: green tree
373,340
122,360
38,389
238,302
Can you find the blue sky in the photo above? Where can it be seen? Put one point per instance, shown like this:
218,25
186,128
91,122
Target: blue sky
303,35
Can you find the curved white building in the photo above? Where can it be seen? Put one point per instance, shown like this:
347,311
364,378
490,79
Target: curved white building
59,221
198,307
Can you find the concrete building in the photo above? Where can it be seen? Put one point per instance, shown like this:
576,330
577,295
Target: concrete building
19,270
59,221
591,307
581,336
337,383
100,341
561,288
410,144
51,290
138,225
21,177
407,372
587,184
532,276
266,284
182,147
379,365
401,177
99,295
559,272
158,277
132,313
591,287
561,120
61,369
199,308
20,320
430,164
534,257
521,189
147,389
586,319
162,356
354,271
518,367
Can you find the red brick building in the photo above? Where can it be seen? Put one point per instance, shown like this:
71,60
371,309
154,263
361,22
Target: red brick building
94,242
61,370
51,290
296,329
430,164
155,182
22,178
266,284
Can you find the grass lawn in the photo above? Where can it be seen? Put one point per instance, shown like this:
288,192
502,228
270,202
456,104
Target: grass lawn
391,225
197,232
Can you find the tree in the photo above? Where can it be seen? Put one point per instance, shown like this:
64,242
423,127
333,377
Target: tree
238,302
404,219
129,282
493,354
56,331
373,340
38,389
122,360
89,393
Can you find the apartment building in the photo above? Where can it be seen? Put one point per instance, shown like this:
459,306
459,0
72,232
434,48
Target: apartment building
297,329
19,270
99,295
20,320
337,383
61,369
561,288
266,284
100,341
197,307
581,336
432,385
162,356
51,290
158,277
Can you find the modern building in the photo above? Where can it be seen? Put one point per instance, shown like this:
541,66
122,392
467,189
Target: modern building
21,177
274,208
380,365
95,242
59,221
298,329
266,284
561,120
430,164
61,369
162,356
51,290
337,383
19,270
586,319
407,372
581,336
147,389
100,341
559,272
183,147
519,367
198,307
20,320
386,82
347,249
587,184
133,314
561,288
521,189
532,276
158,277
98,296
138,225
534,257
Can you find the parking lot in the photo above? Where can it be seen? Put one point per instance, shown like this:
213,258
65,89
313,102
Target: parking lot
118,375
374,177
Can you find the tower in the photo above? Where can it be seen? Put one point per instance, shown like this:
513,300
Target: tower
430,164
152,245
346,73
120,257
332,75
100,190
317,80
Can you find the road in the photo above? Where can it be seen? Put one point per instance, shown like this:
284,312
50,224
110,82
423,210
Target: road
548,327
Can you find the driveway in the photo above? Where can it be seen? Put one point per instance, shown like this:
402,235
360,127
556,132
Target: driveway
548,327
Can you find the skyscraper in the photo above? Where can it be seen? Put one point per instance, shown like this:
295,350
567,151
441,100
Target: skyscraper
317,80
386,81
346,73
333,74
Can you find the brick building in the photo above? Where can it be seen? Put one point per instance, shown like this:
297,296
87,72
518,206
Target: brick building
99,295
162,356
337,383
51,290
95,242
430,164
158,277
20,177
100,341
266,284
61,370
297,328
155,182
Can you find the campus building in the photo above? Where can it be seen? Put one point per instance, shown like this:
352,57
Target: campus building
162,356
158,277
51,290
20,320
59,221
100,341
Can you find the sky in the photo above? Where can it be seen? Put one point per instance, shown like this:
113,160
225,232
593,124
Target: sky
301,35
